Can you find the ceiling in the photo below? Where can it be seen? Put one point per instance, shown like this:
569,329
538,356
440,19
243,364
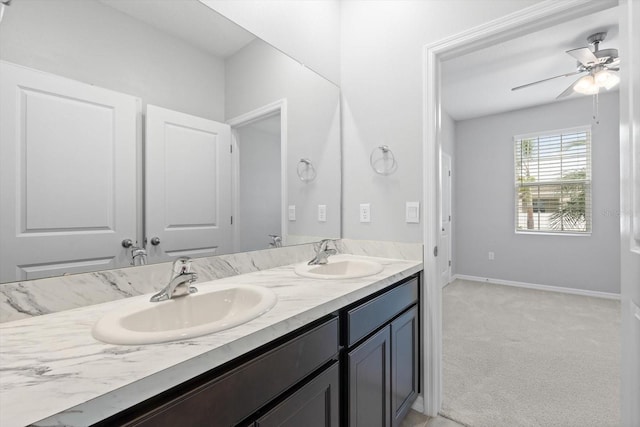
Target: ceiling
190,21
479,83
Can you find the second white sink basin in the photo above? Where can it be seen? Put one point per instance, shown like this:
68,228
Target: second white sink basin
340,268
212,309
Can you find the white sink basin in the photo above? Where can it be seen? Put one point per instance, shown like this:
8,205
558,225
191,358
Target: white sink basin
340,268
212,309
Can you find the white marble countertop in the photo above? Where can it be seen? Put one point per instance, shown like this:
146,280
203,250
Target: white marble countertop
52,370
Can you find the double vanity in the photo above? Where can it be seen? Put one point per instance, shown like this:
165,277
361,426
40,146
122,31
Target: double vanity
312,345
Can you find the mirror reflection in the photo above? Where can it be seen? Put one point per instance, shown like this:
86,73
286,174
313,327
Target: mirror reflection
137,132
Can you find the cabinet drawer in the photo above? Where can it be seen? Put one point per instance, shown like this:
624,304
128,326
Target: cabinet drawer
366,318
229,399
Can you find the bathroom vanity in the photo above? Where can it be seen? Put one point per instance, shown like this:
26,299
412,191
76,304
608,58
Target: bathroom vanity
359,364
334,352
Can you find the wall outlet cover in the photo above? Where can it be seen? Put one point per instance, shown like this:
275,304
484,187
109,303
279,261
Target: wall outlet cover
365,212
413,213
322,213
292,212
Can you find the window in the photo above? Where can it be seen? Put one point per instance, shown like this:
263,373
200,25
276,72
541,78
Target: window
553,182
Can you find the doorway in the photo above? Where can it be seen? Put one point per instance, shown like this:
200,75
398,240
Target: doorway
258,220
259,188
533,18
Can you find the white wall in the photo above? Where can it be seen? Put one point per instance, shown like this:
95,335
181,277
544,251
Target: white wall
309,30
260,190
92,43
382,87
258,75
484,201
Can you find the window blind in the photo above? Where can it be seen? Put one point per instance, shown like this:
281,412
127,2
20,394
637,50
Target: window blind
553,182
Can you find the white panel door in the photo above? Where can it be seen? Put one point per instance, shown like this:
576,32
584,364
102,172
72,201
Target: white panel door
67,175
630,211
445,229
188,185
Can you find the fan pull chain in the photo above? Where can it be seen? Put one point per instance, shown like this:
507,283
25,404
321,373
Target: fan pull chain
596,105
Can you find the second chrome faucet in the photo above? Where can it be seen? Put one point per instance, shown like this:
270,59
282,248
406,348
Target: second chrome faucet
179,282
322,253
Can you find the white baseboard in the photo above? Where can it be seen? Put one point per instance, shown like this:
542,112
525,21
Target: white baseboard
598,294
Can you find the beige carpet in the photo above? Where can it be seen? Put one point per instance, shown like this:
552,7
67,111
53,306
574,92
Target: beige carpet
522,357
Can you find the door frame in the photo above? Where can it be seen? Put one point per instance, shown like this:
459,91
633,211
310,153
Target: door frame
279,106
444,200
544,14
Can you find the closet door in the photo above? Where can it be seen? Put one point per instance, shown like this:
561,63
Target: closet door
188,185
67,175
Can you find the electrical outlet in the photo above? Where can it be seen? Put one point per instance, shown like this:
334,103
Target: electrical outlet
365,212
292,212
492,256
322,213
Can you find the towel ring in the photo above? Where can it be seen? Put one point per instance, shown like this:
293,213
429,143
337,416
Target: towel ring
386,163
306,171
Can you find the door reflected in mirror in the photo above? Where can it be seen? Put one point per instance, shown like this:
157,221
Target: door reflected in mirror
154,120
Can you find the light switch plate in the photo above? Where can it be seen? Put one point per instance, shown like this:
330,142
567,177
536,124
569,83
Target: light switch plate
322,213
413,212
292,212
365,212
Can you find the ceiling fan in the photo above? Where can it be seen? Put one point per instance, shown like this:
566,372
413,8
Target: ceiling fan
600,64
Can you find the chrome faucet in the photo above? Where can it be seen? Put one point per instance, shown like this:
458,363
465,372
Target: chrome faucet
181,278
322,253
276,241
138,256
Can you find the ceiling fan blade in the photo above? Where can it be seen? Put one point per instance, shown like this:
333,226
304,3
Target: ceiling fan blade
568,91
550,78
613,63
584,56
613,69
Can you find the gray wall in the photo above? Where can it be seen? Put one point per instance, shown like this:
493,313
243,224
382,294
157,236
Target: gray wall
448,134
382,73
260,189
258,75
307,30
484,201
87,41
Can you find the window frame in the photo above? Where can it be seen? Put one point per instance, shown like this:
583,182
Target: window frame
588,182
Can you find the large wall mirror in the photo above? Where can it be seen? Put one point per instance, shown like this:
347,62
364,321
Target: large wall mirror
139,131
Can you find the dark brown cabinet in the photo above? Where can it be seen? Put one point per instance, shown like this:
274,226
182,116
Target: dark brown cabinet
383,368
314,405
404,364
370,381
230,398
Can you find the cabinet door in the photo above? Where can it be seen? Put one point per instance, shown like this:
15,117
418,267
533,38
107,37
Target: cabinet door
314,405
369,382
404,364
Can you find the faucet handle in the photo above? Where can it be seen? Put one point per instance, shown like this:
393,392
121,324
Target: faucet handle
181,265
324,244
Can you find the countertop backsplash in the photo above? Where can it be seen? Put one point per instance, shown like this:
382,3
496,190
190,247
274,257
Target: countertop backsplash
19,300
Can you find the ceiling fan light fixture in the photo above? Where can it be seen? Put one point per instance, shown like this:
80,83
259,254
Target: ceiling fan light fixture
586,85
606,79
